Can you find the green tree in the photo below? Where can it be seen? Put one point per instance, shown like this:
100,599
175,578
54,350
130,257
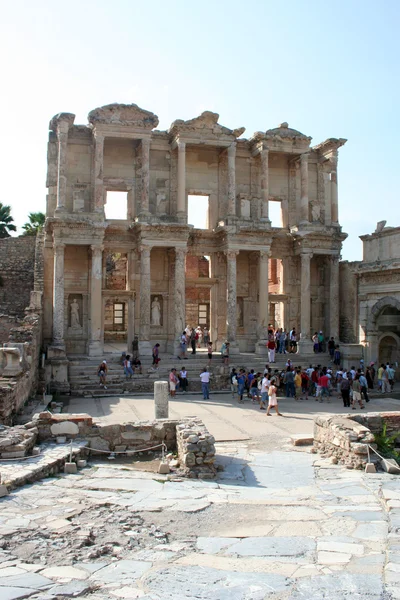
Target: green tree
6,221
36,222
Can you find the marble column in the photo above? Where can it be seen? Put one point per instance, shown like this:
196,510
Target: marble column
130,285
62,138
231,314
304,209
144,332
263,303
179,296
334,299
181,204
98,166
95,347
305,302
264,154
334,192
58,296
232,180
144,209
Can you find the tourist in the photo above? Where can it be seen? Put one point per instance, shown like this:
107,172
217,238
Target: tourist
380,371
385,380
363,385
225,353
323,383
193,340
205,383
321,342
183,346
173,381
289,383
293,341
102,373
156,355
282,341
345,391
305,383
206,337
331,348
264,392
183,380
128,367
241,380
199,336
254,390
391,375
209,351
368,377
233,380
356,392
297,385
271,349
315,343
337,359
137,365
272,399
249,379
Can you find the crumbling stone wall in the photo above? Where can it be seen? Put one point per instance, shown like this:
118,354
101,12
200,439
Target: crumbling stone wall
344,438
17,269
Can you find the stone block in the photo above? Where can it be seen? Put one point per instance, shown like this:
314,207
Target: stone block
390,466
81,463
70,468
35,451
64,428
370,468
3,490
302,439
163,469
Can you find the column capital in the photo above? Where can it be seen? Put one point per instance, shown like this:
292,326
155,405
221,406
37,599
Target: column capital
145,143
58,246
335,258
265,254
181,252
306,253
99,137
96,249
231,254
145,248
232,149
304,157
181,145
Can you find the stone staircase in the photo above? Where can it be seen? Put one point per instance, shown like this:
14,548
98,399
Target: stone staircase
82,372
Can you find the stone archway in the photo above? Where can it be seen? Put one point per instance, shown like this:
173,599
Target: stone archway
389,348
380,305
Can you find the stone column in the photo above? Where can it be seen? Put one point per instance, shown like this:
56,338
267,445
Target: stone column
95,347
144,333
144,209
334,192
58,296
304,210
263,304
181,204
131,300
62,137
231,315
334,299
305,303
180,296
98,187
232,180
161,399
264,154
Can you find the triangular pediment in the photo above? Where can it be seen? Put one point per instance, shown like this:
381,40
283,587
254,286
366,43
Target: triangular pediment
123,114
206,123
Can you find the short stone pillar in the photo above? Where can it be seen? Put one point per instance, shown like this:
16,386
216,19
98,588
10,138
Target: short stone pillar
13,365
161,399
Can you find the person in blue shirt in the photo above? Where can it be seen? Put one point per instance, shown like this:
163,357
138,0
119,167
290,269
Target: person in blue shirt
241,379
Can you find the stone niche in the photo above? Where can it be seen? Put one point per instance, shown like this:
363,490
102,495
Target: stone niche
156,310
76,315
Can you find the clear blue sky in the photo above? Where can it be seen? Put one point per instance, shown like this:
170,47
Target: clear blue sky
329,69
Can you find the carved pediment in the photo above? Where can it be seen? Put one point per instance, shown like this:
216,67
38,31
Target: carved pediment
206,123
123,114
286,132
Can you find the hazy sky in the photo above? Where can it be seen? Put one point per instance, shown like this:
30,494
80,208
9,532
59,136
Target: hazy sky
331,69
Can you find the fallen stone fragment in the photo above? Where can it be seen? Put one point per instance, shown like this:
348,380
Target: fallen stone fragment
71,589
390,466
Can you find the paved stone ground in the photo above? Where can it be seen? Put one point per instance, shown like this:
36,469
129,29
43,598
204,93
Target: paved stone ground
223,416
282,524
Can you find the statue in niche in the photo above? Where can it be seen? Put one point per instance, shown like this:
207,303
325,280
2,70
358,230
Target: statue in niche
156,312
75,323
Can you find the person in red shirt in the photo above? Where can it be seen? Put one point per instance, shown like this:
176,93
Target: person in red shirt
323,382
271,349
304,383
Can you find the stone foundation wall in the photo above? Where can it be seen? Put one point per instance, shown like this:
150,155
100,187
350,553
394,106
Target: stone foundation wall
344,438
189,437
17,267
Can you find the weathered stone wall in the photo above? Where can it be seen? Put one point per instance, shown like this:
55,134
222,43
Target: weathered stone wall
14,391
17,268
7,322
348,302
189,437
345,438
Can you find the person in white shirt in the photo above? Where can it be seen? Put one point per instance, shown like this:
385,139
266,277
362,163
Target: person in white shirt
205,383
183,380
264,392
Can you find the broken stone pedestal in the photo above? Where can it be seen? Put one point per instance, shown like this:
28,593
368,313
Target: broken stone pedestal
13,366
71,468
370,468
390,466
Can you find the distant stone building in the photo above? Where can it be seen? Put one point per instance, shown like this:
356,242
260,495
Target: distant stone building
151,272
370,297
